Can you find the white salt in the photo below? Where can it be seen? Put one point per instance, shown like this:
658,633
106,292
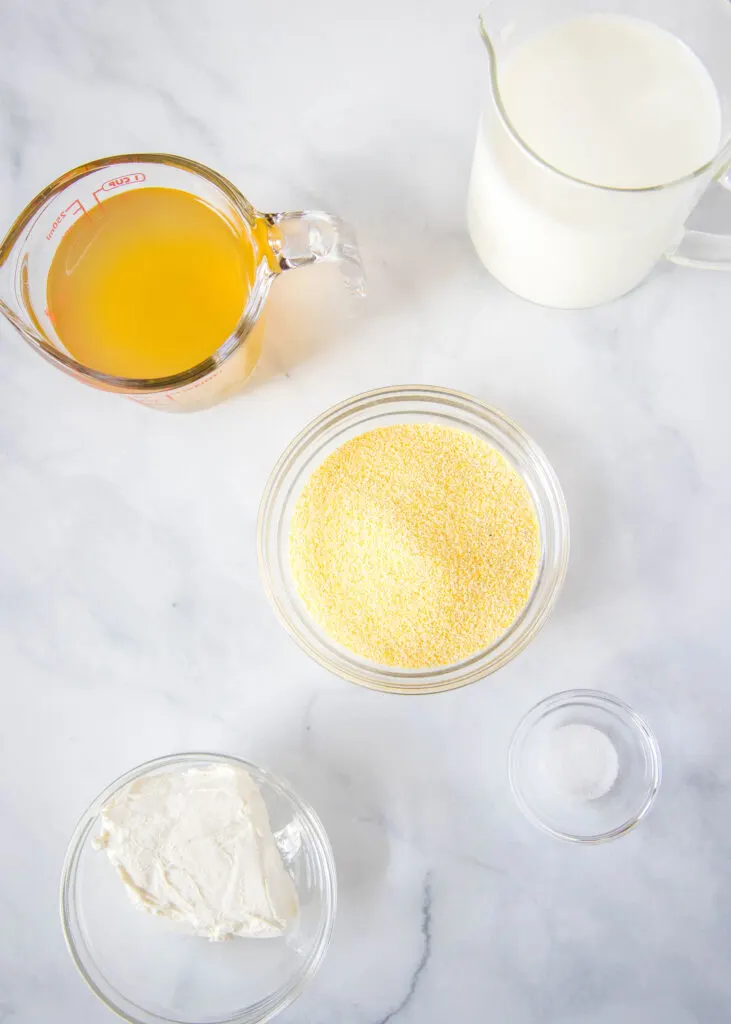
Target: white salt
580,762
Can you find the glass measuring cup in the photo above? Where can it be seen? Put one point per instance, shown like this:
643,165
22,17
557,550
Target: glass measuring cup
560,241
279,241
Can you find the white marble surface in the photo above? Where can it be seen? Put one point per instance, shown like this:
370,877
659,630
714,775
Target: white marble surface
132,620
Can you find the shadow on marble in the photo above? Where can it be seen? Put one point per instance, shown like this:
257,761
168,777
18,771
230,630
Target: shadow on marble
412,230
589,498
347,802
412,244
307,311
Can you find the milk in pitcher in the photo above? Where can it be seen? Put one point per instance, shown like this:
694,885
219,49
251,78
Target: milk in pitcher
614,102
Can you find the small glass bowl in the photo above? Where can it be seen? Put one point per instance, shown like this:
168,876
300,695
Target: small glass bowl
618,810
381,408
149,972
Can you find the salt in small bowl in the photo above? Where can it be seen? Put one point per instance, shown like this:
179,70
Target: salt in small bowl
573,791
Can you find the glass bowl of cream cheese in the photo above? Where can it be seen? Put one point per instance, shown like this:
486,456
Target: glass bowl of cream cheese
198,889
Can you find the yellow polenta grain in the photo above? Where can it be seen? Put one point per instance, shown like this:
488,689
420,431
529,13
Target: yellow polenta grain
414,545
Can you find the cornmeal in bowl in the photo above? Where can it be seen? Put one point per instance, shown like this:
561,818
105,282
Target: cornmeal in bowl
415,545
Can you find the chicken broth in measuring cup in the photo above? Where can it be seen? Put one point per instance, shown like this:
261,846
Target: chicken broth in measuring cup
149,283
146,275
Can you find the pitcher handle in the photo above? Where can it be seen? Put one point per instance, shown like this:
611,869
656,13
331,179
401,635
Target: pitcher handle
309,236
704,249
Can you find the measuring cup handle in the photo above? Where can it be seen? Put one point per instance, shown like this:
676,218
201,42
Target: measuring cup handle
308,236
705,249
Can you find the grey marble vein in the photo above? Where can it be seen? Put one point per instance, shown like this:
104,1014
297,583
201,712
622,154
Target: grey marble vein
426,937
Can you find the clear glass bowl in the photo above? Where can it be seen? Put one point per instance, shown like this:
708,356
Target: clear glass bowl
618,810
150,973
378,409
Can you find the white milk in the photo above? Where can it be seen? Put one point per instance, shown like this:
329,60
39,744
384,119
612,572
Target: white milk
609,100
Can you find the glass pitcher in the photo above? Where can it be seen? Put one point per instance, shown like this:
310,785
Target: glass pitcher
279,241
558,240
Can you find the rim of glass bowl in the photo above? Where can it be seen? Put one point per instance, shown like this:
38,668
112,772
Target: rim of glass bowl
595,698
264,1009
377,408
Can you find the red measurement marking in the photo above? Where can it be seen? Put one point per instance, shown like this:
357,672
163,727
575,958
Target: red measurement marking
76,207
204,380
124,179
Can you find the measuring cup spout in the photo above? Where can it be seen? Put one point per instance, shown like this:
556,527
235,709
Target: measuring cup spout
10,307
491,55
11,316
13,274
307,236
5,279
